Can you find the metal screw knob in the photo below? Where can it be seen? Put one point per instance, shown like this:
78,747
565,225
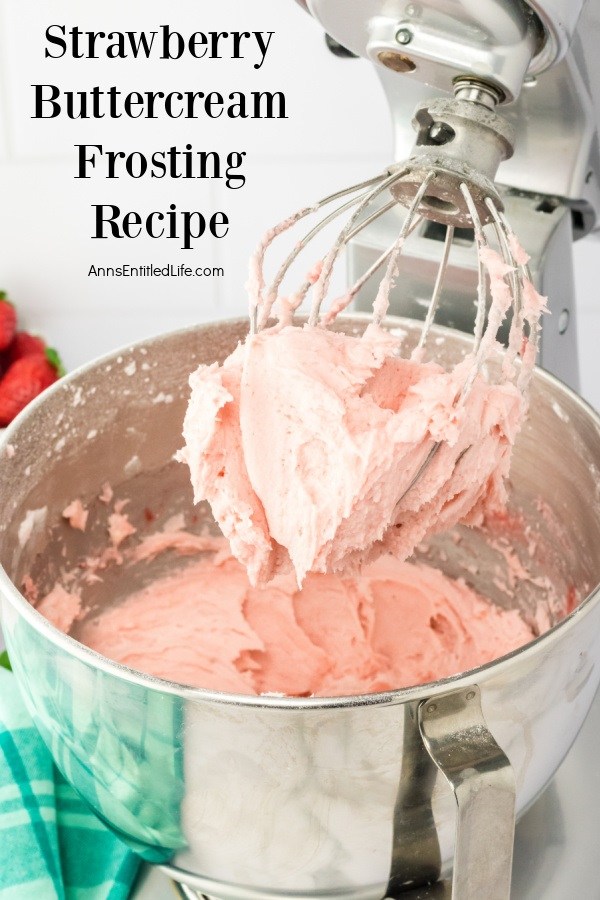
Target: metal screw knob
404,36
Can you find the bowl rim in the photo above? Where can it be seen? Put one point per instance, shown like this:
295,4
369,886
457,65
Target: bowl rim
416,693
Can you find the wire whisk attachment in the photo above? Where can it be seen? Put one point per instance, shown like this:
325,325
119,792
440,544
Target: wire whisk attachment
505,291
502,270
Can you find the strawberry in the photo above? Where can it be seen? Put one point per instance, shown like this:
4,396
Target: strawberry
24,380
8,321
24,344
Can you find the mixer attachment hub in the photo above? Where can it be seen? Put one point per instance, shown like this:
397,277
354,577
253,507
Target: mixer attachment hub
444,201
462,141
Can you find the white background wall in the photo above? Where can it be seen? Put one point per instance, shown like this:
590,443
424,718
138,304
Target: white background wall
338,131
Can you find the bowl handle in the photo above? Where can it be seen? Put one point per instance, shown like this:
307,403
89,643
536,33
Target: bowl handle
456,736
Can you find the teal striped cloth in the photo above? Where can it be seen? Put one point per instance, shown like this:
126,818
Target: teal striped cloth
52,846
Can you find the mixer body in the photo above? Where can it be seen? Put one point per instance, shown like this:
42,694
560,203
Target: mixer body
246,798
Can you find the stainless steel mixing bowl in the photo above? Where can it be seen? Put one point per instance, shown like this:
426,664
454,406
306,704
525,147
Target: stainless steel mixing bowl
257,797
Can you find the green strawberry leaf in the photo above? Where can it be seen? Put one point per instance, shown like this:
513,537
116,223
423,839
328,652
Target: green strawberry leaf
55,360
5,661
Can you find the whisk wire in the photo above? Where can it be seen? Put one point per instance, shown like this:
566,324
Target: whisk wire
515,333
271,295
437,288
256,281
344,301
325,276
381,303
481,242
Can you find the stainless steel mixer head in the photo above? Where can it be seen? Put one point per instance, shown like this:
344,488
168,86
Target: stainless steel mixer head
435,41
501,41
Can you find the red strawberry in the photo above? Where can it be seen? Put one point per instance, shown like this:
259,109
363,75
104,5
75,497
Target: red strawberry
25,379
8,321
24,344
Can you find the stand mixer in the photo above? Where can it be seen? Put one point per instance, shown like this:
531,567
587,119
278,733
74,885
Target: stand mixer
534,63
411,793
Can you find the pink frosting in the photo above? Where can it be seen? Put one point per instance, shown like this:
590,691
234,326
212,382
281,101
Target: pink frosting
61,607
305,442
395,625
119,528
76,515
106,494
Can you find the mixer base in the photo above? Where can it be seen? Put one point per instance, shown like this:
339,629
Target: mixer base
556,842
